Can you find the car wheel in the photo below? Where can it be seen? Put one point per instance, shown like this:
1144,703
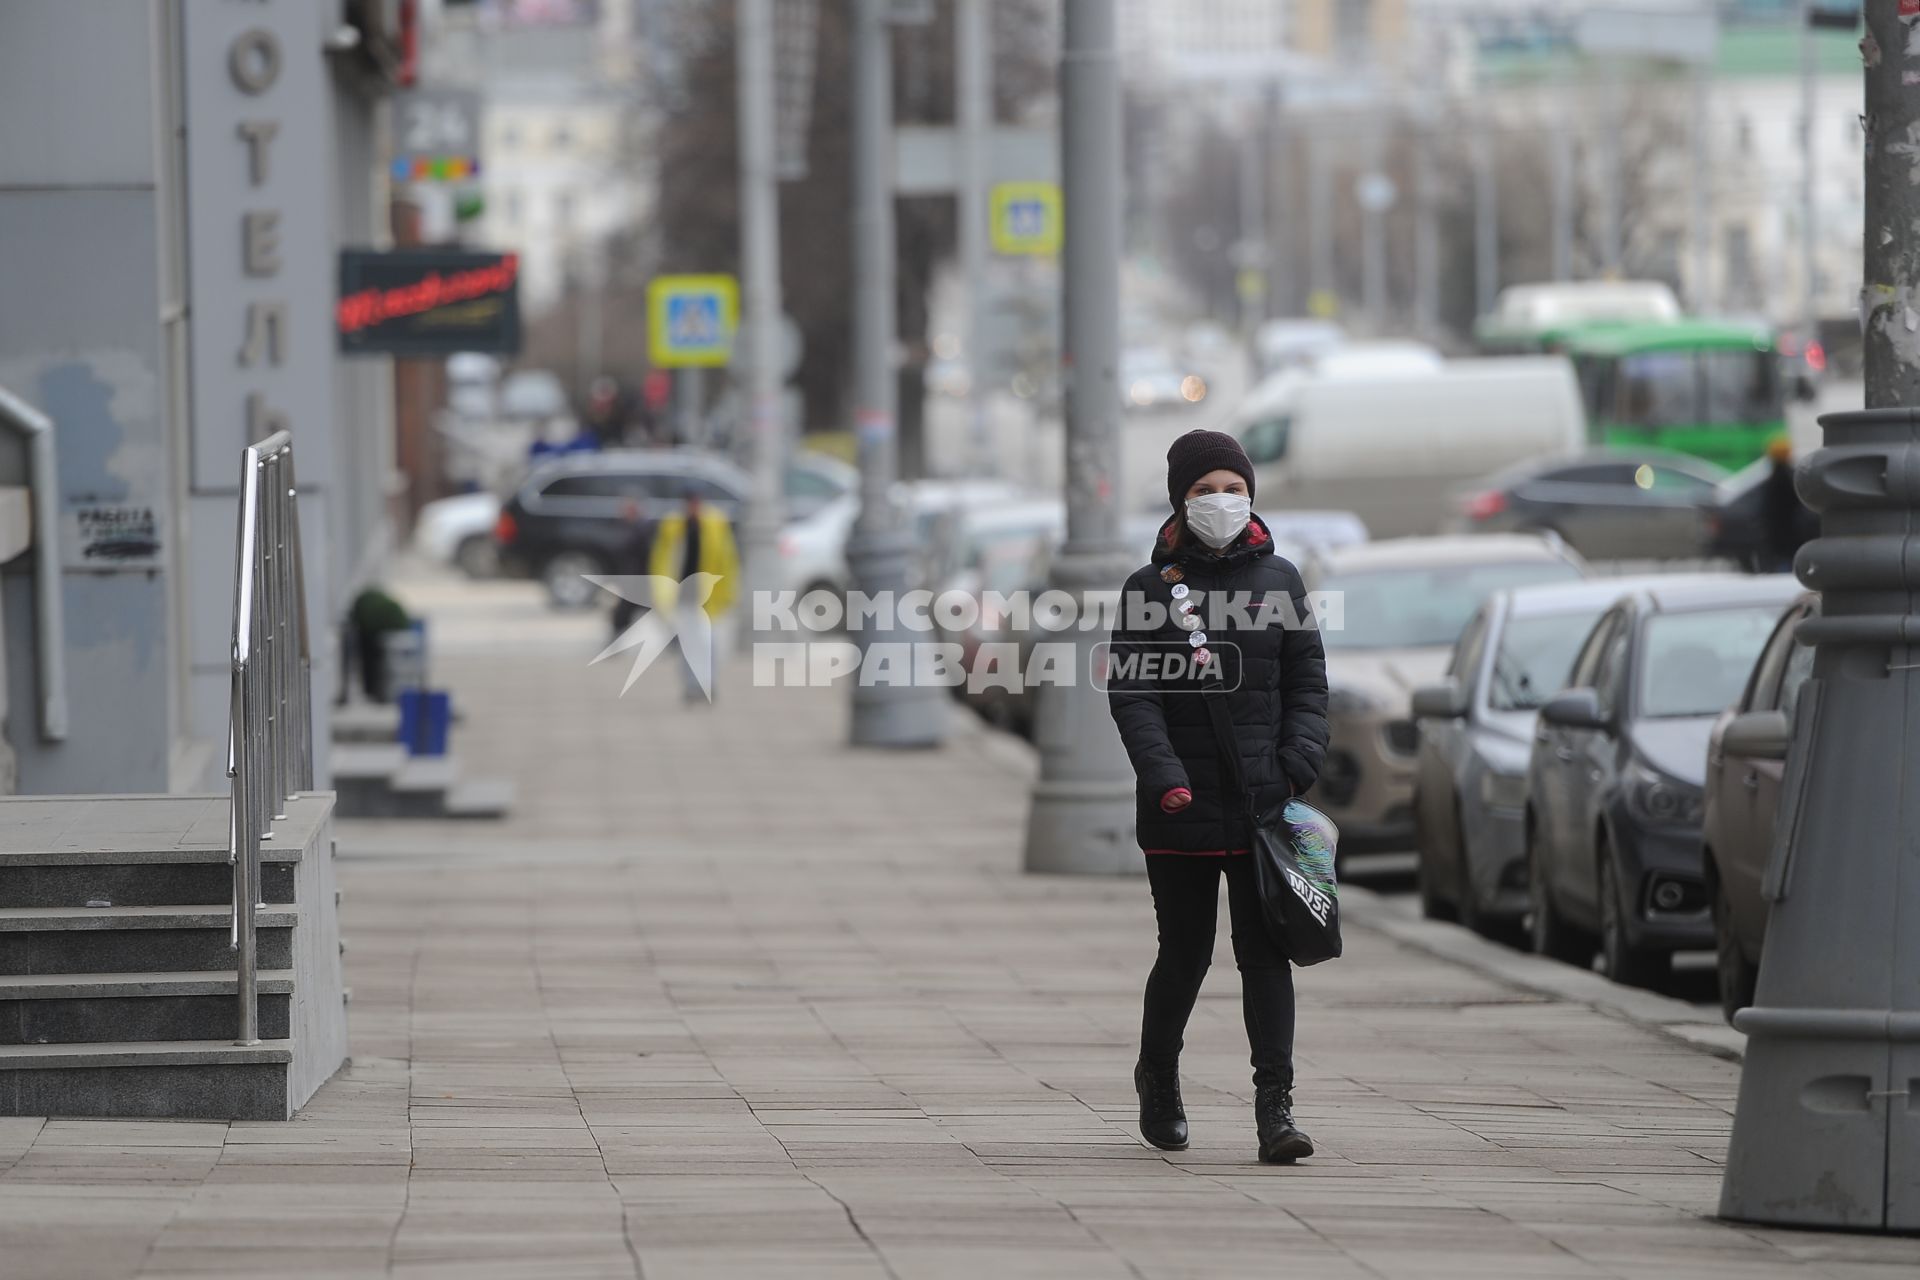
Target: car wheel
478,556
565,579
1738,974
1620,959
1432,905
1548,931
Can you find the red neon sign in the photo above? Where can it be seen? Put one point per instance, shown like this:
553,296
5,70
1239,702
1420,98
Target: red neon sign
370,307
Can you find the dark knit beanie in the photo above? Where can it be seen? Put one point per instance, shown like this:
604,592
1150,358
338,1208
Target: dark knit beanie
1198,452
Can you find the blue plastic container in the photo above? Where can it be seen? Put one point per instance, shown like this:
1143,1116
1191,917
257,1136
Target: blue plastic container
425,717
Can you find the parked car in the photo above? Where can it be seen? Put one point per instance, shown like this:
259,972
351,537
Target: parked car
578,514
459,531
1746,767
813,548
1476,734
931,509
1402,605
1618,762
1151,378
1003,549
815,481
1632,504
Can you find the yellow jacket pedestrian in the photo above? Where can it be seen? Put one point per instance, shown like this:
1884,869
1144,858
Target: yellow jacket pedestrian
717,554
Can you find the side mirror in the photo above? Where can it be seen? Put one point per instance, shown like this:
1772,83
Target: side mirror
1804,388
1757,735
1446,701
1574,709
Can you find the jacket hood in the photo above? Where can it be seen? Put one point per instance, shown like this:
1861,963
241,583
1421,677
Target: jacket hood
1255,540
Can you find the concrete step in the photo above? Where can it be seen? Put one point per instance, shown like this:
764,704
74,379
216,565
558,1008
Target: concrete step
182,1079
98,1018
142,880
370,723
383,782
43,940
480,798
365,761
82,1008
365,722
46,986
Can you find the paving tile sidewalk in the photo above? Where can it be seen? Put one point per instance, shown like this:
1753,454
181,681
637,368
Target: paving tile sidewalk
724,996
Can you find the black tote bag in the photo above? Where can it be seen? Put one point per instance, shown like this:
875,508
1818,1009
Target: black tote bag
1292,851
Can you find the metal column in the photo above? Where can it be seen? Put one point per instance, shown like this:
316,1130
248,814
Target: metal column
1827,1129
973,109
760,289
1082,817
897,713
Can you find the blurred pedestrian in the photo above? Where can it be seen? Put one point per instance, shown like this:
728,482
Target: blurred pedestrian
606,416
634,561
656,409
1786,523
698,540
1191,831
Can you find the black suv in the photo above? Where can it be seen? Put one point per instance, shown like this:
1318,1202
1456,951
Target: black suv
587,513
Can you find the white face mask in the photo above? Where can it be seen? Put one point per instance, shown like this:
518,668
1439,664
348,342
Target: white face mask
1218,518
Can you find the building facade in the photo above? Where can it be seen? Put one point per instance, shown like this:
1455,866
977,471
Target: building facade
176,179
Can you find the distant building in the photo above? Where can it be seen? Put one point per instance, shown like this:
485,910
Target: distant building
1153,27
561,168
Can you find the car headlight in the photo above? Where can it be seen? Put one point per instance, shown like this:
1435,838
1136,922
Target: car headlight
1503,790
1662,800
1351,702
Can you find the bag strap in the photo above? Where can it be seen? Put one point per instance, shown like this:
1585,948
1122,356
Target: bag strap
1215,694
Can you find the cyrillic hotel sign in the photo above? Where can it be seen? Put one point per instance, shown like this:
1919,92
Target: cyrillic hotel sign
258,163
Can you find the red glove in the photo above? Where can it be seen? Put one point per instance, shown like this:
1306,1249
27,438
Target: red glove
1176,800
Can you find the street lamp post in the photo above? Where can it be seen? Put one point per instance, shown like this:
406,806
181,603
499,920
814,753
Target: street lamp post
1486,226
973,110
896,712
1827,1129
760,289
1082,816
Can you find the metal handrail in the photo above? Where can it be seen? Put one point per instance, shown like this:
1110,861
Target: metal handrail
270,715
49,609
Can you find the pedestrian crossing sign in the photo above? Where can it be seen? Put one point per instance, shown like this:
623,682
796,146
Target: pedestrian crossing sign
691,319
1025,217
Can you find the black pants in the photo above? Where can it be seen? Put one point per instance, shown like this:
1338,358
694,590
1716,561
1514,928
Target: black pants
1186,894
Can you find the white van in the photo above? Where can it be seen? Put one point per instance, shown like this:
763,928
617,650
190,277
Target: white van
1389,449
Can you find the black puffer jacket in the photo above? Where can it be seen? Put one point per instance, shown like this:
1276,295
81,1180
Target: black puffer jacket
1278,678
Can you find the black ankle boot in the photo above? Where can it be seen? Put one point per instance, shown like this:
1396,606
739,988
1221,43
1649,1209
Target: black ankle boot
1280,1141
1163,1121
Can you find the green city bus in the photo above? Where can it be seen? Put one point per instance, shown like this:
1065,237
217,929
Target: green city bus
1710,388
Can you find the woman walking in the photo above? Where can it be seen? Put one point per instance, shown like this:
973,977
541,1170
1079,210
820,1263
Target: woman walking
1213,553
